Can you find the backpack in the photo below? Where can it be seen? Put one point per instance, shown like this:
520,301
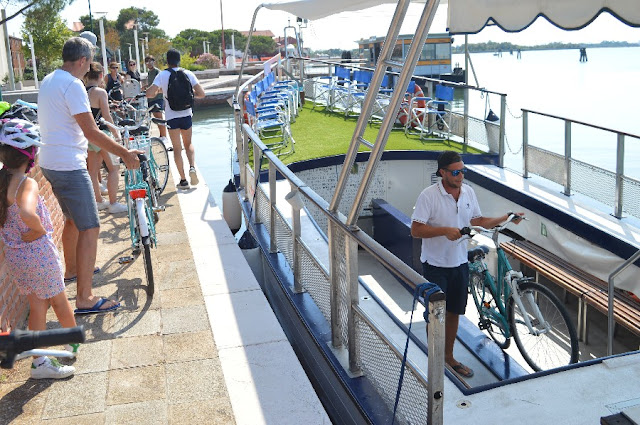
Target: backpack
179,91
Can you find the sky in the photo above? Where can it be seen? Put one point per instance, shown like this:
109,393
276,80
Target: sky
338,31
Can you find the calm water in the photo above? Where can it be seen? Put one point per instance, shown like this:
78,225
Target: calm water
604,91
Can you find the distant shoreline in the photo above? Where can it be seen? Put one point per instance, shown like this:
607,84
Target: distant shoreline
491,46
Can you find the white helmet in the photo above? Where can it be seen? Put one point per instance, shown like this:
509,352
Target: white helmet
19,133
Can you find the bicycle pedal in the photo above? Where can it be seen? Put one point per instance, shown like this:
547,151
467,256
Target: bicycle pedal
125,260
159,208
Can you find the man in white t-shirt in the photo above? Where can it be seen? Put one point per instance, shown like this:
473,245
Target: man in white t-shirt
66,122
441,210
178,122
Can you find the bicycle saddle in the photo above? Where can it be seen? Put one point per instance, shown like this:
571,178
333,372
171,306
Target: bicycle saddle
477,253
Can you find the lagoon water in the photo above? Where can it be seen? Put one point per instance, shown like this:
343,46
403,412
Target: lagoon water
604,91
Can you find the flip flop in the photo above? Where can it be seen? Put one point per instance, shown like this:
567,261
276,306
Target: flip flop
96,308
74,278
463,370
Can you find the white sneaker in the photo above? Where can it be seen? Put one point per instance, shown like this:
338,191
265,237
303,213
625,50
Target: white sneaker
103,205
73,349
193,176
117,208
103,189
51,369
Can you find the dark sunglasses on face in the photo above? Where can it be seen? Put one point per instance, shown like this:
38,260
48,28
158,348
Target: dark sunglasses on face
455,173
131,64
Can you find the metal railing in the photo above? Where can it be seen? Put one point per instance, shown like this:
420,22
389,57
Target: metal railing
351,328
611,188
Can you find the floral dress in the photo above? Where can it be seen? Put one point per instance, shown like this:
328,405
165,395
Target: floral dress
35,267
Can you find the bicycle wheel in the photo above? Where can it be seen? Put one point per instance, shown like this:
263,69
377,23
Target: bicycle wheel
486,304
556,342
161,163
148,267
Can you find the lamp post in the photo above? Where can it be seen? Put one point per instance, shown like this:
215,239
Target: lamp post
33,62
130,57
102,40
142,65
90,17
135,41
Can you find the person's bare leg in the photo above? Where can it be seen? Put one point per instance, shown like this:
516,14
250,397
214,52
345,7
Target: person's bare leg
37,313
86,251
174,135
62,308
450,332
93,167
69,245
113,178
188,146
161,128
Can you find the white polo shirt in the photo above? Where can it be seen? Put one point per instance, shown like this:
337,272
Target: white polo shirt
438,208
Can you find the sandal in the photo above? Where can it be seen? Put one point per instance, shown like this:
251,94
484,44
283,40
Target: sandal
463,370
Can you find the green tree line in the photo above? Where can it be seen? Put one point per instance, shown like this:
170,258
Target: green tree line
492,46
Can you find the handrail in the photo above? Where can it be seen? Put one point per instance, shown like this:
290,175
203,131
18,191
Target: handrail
611,321
581,123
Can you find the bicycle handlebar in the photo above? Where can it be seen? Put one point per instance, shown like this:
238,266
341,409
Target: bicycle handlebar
479,229
18,341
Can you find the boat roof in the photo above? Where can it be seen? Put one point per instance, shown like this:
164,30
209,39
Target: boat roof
374,39
471,16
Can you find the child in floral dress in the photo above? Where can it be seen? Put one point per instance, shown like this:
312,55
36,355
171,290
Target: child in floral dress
31,256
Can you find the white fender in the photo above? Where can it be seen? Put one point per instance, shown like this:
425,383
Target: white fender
231,208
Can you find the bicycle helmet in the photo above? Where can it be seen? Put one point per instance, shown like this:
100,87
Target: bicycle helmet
19,133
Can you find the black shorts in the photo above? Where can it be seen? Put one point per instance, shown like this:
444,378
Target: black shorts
159,101
182,123
453,281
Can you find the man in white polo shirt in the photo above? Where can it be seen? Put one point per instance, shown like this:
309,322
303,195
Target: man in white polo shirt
66,123
441,210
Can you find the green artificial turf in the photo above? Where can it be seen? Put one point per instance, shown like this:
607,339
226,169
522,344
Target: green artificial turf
318,133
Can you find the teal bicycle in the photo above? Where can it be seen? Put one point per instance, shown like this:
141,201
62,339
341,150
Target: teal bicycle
515,305
141,193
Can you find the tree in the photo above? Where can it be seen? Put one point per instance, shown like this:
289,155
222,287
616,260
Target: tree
189,41
23,4
48,30
112,39
262,45
158,48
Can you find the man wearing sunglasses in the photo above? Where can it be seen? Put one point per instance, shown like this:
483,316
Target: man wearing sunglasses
441,210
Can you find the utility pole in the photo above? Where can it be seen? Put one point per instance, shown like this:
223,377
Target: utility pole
33,62
222,25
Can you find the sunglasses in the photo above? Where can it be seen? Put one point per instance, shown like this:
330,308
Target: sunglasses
131,63
455,173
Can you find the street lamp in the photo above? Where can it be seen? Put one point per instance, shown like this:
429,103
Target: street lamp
90,16
102,40
130,51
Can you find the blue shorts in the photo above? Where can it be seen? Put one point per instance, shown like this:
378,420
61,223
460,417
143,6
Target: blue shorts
159,102
453,281
74,191
182,123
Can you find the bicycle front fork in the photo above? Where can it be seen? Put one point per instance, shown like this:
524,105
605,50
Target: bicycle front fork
531,314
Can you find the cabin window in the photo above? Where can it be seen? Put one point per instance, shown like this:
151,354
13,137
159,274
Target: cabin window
428,52
397,53
443,51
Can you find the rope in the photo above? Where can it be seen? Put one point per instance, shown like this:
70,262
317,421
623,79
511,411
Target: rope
428,289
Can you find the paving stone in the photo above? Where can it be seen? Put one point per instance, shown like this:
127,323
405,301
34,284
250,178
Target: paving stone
184,319
195,380
143,322
182,297
92,357
85,395
189,346
175,252
213,412
23,402
136,384
144,413
178,274
173,238
91,419
136,351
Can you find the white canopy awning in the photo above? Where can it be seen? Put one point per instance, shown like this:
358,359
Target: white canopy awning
470,16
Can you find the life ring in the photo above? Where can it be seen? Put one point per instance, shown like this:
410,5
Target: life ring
403,113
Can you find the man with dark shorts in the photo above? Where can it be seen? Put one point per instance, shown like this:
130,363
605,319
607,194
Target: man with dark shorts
178,122
441,210
157,100
66,122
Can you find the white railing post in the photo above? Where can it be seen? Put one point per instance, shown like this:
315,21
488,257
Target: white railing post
525,143
567,157
619,203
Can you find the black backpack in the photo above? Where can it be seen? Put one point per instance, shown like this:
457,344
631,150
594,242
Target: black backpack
180,91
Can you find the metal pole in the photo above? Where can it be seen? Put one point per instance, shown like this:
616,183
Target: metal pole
103,45
619,177
503,123
435,360
12,81
204,47
135,41
90,17
33,62
253,22
611,320
525,143
142,65
129,51
273,242
466,90
351,260
567,158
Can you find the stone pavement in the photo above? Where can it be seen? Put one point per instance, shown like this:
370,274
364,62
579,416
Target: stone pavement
153,361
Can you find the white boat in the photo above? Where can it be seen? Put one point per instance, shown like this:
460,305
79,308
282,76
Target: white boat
345,301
